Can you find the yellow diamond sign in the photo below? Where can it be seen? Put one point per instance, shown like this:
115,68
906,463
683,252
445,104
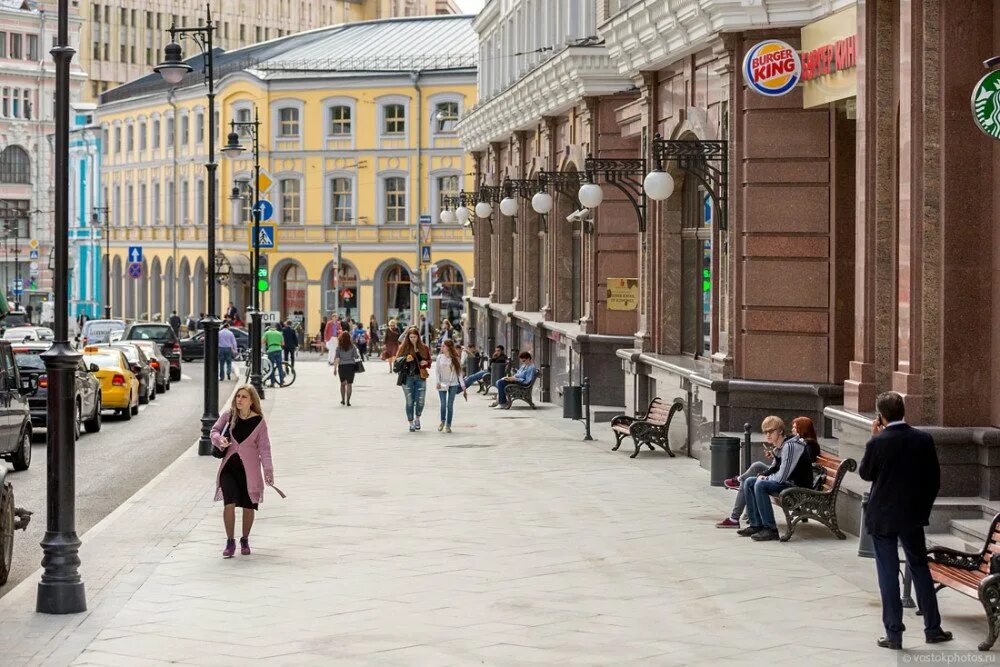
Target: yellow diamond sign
264,182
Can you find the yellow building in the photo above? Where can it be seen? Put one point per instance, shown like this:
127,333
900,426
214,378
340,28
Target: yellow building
357,133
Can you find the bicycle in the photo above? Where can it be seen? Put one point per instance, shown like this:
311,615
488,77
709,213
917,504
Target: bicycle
265,371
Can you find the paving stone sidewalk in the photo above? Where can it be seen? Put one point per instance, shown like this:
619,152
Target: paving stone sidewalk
507,542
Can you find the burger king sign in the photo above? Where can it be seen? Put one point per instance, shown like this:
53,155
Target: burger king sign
772,68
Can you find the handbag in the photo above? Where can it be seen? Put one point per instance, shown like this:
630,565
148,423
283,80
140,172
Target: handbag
359,366
221,453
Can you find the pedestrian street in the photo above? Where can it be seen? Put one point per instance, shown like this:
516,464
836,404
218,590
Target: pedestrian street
508,542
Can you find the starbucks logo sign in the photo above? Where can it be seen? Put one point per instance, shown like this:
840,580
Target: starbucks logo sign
986,104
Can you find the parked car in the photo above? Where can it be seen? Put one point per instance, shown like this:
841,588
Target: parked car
139,363
15,318
119,385
11,519
15,433
28,333
194,347
97,332
87,395
157,360
163,334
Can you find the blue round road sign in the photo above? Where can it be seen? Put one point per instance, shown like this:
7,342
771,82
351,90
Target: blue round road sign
265,210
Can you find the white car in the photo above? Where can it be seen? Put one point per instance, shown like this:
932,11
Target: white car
25,334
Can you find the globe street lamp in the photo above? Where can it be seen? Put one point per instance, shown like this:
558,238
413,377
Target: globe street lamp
60,590
173,69
233,150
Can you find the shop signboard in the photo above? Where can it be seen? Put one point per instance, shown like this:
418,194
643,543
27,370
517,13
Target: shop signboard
986,104
772,68
623,293
830,52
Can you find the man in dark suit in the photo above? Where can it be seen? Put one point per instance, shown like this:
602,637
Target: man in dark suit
902,465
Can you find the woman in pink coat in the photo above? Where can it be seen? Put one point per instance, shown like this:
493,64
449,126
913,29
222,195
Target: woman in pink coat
242,434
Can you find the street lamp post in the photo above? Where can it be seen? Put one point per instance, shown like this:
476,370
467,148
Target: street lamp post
61,590
173,68
96,217
233,149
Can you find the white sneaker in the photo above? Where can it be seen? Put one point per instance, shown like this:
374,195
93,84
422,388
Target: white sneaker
447,429
416,423
441,426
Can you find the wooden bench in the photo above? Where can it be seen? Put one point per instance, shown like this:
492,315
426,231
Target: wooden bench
800,504
649,428
521,392
969,574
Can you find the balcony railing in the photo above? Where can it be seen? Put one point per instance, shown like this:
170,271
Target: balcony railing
298,234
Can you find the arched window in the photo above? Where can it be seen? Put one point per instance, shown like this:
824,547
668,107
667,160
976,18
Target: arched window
294,282
449,284
397,294
15,165
342,293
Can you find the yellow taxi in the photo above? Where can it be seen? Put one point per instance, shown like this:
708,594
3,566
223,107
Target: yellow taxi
119,385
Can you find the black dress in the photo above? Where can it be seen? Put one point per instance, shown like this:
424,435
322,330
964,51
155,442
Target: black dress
233,478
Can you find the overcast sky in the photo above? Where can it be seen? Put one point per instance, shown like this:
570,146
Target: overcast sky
471,6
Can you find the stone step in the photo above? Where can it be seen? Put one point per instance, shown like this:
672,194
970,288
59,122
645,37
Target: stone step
951,541
971,531
602,414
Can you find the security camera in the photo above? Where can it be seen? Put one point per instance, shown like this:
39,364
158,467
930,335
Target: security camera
583,215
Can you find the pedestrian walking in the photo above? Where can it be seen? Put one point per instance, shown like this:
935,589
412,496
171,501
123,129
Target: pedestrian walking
902,465
373,337
273,341
175,322
241,434
228,350
413,360
391,344
291,342
345,365
447,333
232,314
450,382
330,335
360,339
192,325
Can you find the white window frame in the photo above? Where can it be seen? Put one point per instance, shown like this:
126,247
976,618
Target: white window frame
384,102
279,200
331,102
276,107
380,204
328,209
436,189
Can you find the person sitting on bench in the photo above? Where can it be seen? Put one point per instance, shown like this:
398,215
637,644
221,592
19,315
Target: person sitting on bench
498,357
525,375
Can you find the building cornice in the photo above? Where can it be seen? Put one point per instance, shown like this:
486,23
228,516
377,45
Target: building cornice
652,33
550,89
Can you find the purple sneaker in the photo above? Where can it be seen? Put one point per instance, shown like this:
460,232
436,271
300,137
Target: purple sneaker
245,546
230,549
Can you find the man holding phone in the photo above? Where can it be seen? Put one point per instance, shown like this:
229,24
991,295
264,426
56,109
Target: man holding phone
901,463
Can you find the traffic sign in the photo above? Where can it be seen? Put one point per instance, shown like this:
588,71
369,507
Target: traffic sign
33,253
425,219
425,254
135,253
135,270
423,302
264,182
33,243
425,234
265,210
269,316
18,287
267,240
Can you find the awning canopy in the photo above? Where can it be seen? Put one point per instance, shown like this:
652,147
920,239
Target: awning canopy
238,263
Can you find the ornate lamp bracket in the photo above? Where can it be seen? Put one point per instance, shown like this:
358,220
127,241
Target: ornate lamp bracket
626,174
706,160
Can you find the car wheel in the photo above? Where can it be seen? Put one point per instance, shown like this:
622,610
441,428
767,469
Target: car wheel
126,414
188,360
6,532
144,398
166,386
77,422
135,409
152,391
22,457
175,374
93,425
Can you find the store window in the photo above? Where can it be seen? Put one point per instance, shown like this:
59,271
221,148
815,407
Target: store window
294,284
397,295
696,272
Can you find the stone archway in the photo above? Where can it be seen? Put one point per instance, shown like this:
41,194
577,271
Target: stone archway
184,290
156,291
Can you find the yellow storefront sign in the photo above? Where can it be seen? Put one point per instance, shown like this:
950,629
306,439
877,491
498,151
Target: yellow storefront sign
623,293
829,59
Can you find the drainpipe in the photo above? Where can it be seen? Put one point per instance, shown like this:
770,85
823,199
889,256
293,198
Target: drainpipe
415,79
40,137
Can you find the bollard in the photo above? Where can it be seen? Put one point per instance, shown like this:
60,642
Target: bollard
865,547
586,398
907,600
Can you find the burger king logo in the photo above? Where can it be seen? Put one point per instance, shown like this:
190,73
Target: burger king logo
772,68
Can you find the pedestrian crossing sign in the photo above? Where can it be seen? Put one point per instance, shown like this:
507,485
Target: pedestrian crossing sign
425,254
267,239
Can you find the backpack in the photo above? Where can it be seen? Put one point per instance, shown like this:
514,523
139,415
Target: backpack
359,336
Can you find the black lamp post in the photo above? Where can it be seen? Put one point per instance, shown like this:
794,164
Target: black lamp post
233,149
61,590
173,68
100,211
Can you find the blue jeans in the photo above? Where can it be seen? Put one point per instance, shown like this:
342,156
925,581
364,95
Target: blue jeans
758,494
475,377
276,367
448,402
755,469
502,390
225,362
414,389
887,565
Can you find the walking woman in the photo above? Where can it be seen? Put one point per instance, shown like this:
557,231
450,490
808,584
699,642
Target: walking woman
372,336
391,344
450,381
241,433
412,363
345,363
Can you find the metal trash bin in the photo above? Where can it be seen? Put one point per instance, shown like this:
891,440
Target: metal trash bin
498,370
572,401
725,459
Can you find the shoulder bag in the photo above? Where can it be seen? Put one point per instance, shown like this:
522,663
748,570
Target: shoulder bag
359,363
